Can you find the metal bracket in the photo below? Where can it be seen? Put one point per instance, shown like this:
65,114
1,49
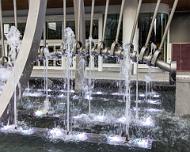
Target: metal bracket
142,53
155,57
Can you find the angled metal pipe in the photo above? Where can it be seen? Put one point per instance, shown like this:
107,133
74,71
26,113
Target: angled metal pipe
168,24
64,17
152,23
120,20
105,19
92,19
15,13
79,14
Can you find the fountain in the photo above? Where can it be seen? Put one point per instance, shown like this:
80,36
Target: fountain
126,120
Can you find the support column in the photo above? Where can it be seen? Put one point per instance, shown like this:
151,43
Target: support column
79,72
128,23
182,105
129,14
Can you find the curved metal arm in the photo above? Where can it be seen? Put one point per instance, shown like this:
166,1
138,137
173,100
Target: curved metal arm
28,51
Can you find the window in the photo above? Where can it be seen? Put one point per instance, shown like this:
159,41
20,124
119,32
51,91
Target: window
94,31
145,20
54,30
111,29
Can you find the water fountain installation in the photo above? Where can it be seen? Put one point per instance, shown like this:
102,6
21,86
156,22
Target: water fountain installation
65,96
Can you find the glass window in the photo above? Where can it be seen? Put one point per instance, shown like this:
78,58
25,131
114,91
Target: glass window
21,28
95,29
111,29
71,24
54,30
110,34
145,20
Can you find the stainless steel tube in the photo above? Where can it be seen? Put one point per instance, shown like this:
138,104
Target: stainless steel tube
136,21
120,20
105,19
92,19
168,24
79,13
15,13
64,17
163,65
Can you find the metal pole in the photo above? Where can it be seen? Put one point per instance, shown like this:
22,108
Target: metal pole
15,92
64,17
15,13
168,24
44,35
152,23
136,21
2,31
105,20
92,19
79,13
120,19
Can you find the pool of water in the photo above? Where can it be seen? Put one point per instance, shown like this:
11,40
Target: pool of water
156,129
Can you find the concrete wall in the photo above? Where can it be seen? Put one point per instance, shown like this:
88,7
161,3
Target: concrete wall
180,28
182,93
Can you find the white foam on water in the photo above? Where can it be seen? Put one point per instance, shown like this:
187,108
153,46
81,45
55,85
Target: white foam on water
142,143
142,95
122,120
56,133
99,92
40,113
155,102
83,117
99,118
20,130
76,137
115,140
61,96
4,74
147,122
88,97
32,94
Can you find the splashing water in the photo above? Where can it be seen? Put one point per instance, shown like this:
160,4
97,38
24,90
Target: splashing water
114,140
60,134
126,74
20,129
69,41
13,40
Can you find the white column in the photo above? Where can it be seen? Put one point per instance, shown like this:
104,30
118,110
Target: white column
81,37
128,19
128,23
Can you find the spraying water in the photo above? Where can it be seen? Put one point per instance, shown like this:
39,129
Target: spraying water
126,75
69,41
13,40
